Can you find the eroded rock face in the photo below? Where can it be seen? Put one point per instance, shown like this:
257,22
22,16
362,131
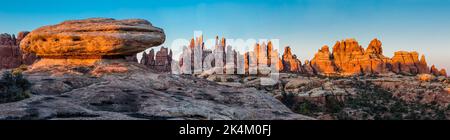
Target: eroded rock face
160,62
443,72
323,63
90,46
349,58
347,54
434,70
373,61
290,61
405,62
425,77
93,37
142,94
10,54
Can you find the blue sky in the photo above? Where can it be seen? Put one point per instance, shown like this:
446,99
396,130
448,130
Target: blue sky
305,25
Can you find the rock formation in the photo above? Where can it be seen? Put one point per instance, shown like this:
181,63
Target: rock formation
443,72
10,54
82,48
160,62
423,66
373,61
349,58
323,63
96,44
163,59
290,61
347,55
434,70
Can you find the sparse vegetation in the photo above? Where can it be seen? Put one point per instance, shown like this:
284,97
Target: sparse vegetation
13,87
371,102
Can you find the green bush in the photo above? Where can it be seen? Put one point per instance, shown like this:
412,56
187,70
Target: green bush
13,87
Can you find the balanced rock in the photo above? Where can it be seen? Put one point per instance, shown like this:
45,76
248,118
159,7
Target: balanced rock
290,61
86,43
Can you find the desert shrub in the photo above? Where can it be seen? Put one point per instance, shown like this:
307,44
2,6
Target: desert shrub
332,105
13,87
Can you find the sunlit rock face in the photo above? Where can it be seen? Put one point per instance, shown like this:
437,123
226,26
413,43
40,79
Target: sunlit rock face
346,54
67,46
290,61
9,52
348,58
373,61
322,62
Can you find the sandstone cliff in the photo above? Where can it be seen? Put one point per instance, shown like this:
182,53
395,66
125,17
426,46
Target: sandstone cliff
349,58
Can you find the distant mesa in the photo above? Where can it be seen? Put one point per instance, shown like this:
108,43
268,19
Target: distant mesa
96,43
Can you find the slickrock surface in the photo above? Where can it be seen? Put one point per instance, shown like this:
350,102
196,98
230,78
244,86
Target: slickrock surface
142,94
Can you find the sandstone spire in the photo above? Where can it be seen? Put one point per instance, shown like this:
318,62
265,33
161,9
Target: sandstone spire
422,65
10,54
322,62
434,70
347,54
405,62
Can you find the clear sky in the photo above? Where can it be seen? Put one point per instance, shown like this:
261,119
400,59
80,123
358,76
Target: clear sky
305,25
